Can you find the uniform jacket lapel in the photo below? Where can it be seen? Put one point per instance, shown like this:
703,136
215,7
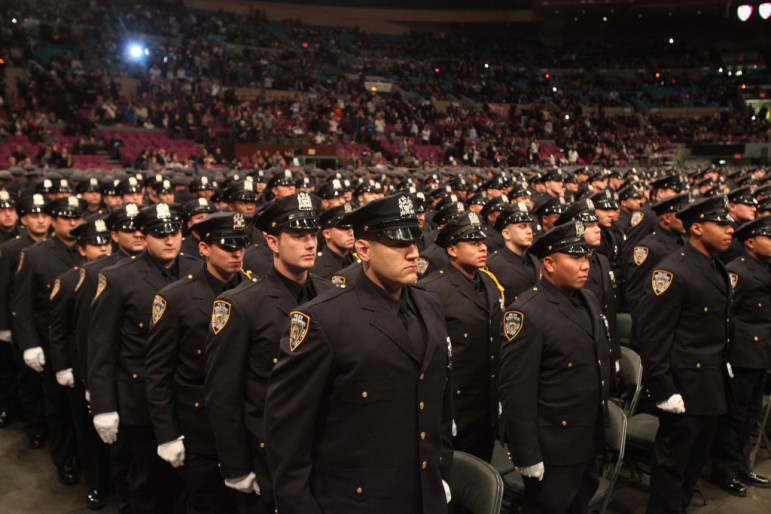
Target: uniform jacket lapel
277,290
154,279
565,307
464,286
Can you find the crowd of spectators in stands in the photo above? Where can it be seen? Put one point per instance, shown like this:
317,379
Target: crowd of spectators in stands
501,101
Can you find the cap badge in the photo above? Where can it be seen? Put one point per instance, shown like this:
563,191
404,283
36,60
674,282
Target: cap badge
162,211
4,195
100,226
521,206
473,218
63,183
47,183
248,185
132,210
725,202
304,201
590,205
347,207
38,200
132,181
204,180
579,229
239,223
406,209
336,184
73,202
203,202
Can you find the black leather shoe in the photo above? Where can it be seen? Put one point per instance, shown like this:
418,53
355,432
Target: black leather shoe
68,475
755,480
733,486
94,500
5,418
36,441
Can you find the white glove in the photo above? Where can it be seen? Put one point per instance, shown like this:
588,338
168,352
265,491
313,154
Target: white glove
500,409
447,493
173,452
35,358
534,471
454,429
618,366
88,396
5,336
65,378
245,484
106,426
674,404
730,369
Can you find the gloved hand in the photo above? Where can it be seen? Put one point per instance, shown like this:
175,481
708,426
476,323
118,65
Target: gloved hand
618,366
730,369
674,404
5,336
35,358
500,409
65,378
173,452
534,471
88,396
245,484
106,426
447,493
454,429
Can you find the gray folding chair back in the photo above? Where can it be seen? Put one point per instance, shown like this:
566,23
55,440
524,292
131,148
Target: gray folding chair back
615,442
475,484
623,328
631,374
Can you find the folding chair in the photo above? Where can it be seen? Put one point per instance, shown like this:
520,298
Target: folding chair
475,484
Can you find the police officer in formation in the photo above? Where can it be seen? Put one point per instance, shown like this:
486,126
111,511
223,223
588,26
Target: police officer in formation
229,377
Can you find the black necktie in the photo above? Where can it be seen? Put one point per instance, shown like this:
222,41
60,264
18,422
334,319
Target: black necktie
413,326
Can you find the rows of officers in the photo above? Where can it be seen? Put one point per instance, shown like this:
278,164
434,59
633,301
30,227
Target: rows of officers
307,341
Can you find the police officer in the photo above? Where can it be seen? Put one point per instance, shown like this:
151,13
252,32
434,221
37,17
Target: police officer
683,332
93,239
26,383
341,436
39,265
742,207
175,363
338,252
89,190
515,268
554,377
8,216
749,356
473,305
193,212
242,347
117,345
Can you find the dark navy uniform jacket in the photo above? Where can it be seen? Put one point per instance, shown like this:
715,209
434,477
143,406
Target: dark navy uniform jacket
750,313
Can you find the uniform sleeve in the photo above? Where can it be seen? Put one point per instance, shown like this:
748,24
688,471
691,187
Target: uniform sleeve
160,363
518,390
24,289
636,280
295,393
658,316
60,326
227,355
6,274
104,335
83,298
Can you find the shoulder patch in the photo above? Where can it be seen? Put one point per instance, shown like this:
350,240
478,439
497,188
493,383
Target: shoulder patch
21,262
637,217
422,265
640,254
57,286
81,278
338,281
100,285
159,307
219,315
734,278
512,323
661,281
298,329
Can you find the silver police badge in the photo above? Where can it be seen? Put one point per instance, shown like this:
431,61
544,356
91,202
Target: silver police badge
132,211
100,226
220,315
298,329
473,219
734,279
304,201
406,209
422,265
239,223
338,281
159,307
512,323
162,211
637,217
661,281
580,229
640,254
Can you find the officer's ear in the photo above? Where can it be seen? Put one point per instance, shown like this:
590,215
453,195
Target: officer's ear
549,264
363,248
272,240
452,251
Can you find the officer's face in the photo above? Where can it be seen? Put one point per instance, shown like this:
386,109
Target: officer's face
166,197
133,198
296,249
469,255
62,227
280,191
246,208
519,234
389,264
631,204
335,201
113,202
340,238
91,252
676,224
761,246
195,218
593,233
606,217
8,218
92,198
37,224
164,248
567,272
715,237
204,194
365,198
555,187
742,212
131,243
221,262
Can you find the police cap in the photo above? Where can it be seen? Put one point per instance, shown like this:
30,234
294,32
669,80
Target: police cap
516,212
94,232
123,218
332,217
464,227
565,238
161,218
671,204
226,229
742,195
67,207
392,217
581,210
6,200
754,228
713,209
31,204
295,211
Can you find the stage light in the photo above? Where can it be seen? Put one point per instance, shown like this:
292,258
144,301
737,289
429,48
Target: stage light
135,51
744,12
487,65
567,116
436,70
671,41
147,52
739,73
657,75
14,20
764,10
554,89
